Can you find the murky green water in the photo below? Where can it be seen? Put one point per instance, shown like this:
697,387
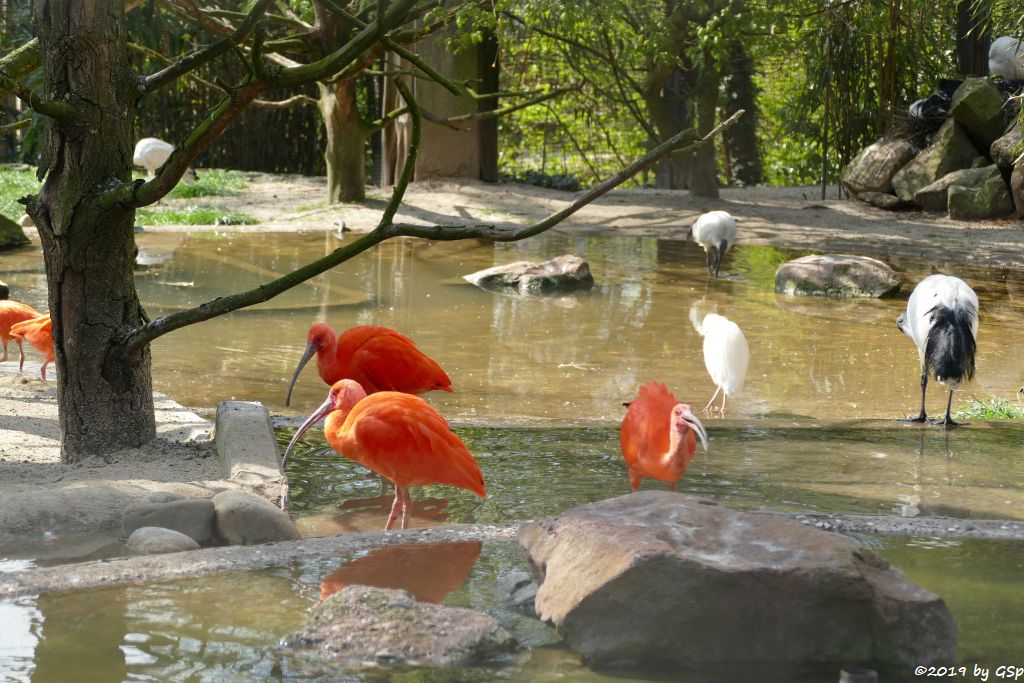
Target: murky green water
813,431
227,627
570,359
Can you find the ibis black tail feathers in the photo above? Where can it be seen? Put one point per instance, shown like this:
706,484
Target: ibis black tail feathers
949,350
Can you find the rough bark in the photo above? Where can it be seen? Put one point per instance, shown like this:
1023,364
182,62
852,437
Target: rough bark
346,142
487,130
704,172
104,405
741,140
973,36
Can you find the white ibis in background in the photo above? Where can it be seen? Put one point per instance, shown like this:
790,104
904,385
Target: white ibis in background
725,354
716,232
942,319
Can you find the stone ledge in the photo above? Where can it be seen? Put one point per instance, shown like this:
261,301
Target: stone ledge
248,450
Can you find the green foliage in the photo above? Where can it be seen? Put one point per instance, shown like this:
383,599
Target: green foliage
192,215
991,408
18,181
211,183
556,181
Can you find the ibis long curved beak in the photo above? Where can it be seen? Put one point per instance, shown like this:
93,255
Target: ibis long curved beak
693,423
325,408
309,353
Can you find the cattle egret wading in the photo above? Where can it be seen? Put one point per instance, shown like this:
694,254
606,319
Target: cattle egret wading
726,354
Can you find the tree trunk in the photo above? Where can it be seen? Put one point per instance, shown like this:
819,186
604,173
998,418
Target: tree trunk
741,138
104,405
669,100
973,36
704,172
487,130
346,142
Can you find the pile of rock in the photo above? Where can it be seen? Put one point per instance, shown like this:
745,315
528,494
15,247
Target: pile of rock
168,522
968,169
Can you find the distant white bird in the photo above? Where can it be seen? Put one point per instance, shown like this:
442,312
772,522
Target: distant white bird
1005,58
725,354
152,153
942,319
716,232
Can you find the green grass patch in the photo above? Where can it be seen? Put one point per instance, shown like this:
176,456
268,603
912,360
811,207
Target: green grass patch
192,215
991,408
212,182
16,180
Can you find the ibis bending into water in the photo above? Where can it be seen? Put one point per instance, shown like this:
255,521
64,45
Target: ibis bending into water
39,333
726,354
378,358
716,232
659,436
942,320
398,436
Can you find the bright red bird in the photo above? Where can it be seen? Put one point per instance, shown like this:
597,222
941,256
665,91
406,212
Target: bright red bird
378,358
39,333
11,313
398,436
659,436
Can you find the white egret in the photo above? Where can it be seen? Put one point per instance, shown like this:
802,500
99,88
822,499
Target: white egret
716,232
725,354
942,320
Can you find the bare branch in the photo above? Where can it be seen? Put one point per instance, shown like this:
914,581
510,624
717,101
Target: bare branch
284,104
19,62
17,125
58,111
209,53
410,156
512,234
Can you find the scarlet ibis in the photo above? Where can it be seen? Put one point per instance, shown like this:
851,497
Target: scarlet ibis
378,358
659,436
11,313
726,354
716,232
38,332
398,436
942,319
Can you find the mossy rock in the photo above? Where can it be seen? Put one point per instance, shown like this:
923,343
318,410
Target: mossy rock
11,234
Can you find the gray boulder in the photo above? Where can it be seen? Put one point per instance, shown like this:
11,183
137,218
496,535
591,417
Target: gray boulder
872,170
518,589
658,576
11,234
881,200
1002,150
933,197
1017,189
192,517
989,199
978,107
153,540
162,497
246,519
950,151
564,273
837,275
364,624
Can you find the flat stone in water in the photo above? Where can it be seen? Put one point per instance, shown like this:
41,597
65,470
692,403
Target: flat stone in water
836,275
361,623
663,577
564,273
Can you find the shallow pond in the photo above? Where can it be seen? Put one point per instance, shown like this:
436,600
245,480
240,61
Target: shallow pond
227,627
570,359
539,386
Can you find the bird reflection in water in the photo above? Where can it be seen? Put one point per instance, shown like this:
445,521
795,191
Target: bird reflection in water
430,571
364,514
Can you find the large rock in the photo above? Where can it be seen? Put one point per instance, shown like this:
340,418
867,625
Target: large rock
11,234
658,576
978,108
836,275
192,517
872,170
152,540
934,197
1002,150
564,273
360,624
1017,189
950,151
989,199
882,200
246,519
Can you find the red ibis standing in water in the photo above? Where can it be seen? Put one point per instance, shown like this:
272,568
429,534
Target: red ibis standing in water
398,436
378,358
659,436
942,320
